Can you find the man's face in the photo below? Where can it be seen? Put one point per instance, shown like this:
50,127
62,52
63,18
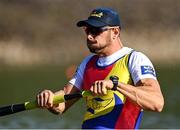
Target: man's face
98,39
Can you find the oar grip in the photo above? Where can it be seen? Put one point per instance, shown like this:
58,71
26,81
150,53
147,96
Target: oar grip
33,104
30,105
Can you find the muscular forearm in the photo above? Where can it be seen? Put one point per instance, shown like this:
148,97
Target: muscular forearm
146,95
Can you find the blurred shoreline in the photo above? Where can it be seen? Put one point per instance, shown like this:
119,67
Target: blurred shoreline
158,45
45,32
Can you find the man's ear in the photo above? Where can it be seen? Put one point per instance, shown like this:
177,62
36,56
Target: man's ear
116,32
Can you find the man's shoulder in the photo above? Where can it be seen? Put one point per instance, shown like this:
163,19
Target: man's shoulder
137,55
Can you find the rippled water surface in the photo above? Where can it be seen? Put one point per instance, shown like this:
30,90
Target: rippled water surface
21,84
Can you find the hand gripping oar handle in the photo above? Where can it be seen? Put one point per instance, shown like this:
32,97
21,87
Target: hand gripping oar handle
14,108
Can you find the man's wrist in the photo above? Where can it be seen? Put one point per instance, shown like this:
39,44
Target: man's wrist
53,111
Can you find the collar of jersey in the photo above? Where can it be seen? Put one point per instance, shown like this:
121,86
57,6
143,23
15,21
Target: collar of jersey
108,60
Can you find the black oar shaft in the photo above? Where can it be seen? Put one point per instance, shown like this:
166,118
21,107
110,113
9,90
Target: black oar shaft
72,96
11,109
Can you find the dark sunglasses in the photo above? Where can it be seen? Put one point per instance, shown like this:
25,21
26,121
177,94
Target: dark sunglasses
95,31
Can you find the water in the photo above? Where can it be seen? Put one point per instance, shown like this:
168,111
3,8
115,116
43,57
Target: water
22,84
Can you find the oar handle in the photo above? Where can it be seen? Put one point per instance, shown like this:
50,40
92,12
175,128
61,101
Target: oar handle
58,99
14,108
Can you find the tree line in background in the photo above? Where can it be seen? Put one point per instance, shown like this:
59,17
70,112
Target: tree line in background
48,19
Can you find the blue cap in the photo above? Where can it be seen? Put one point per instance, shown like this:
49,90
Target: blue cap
101,17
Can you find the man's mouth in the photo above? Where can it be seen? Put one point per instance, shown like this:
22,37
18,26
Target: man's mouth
91,42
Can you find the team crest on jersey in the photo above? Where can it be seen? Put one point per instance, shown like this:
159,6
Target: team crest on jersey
98,103
148,70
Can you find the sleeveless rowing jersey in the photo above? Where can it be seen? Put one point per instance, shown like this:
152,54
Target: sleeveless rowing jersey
114,110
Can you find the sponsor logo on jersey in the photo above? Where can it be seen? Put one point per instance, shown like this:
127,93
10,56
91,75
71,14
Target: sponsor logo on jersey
148,70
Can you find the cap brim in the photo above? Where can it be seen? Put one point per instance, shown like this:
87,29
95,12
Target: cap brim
91,22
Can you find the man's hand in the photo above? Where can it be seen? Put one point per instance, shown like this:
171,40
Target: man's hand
45,99
100,87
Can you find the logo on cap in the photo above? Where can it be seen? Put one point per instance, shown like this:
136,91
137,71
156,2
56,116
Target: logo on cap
96,14
101,17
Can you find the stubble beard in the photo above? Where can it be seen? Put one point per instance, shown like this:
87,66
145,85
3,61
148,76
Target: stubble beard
95,50
99,49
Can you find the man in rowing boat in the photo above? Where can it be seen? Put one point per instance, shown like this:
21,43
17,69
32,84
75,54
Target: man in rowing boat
123,81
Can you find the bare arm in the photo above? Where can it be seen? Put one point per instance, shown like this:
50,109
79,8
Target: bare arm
45,99
146,93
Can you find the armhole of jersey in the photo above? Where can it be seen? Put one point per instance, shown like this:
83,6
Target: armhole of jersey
128,64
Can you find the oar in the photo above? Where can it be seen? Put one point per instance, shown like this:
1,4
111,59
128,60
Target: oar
14,108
